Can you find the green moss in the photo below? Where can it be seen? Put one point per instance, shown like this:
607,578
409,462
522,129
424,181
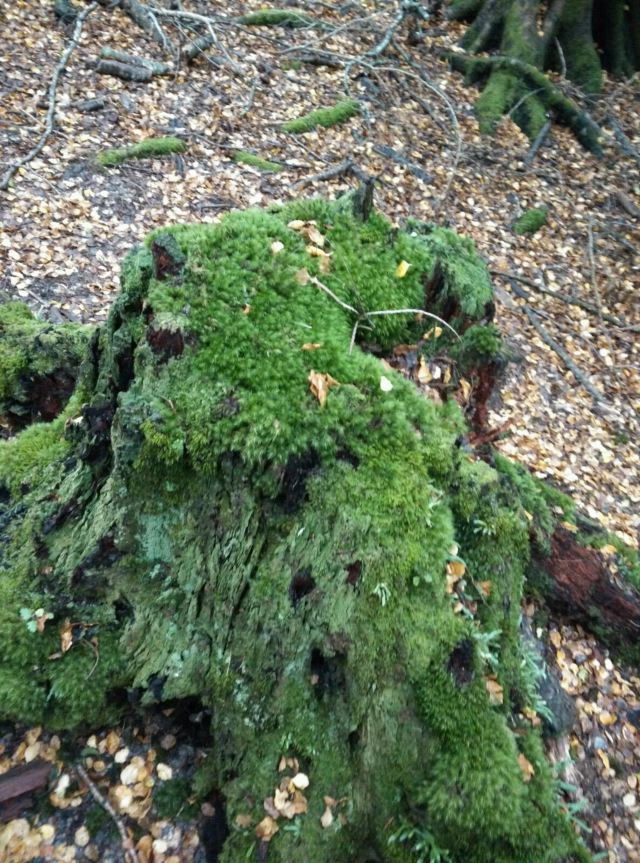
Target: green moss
222,534
325,117
245,158
34,355
148,149
531,220
277,18
174,798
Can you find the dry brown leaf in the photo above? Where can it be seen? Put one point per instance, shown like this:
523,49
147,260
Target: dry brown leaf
526,766
296,224
243,821
326,819
266,829
66,636
320,383
303,277
496,693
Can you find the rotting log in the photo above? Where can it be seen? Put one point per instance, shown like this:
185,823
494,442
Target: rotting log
236,507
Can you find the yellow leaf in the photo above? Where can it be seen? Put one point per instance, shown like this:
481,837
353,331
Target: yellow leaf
433,332
568,526
296,224
310,346
314,235
266,829
66,636
604,758
456,568
526,766
485,587
320,384
465,386
402,269
607,718
496,693
424,374
316,252
608,550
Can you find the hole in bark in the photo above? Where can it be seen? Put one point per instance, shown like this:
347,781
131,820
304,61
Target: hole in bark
353,740
166,344
293,484
4,494
214,829
104,554
460,664
301,584
327,673
125,368
354,571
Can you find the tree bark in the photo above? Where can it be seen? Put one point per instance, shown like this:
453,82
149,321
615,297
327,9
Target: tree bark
579,37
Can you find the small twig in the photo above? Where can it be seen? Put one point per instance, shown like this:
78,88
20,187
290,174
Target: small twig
345,167
127,843
51,113
538,142
252,95
572,301
563,62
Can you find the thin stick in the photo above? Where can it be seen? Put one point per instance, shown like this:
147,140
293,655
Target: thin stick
572,301
51,113
127,844
338,170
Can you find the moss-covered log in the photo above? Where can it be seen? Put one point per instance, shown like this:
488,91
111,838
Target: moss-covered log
235,506
577,37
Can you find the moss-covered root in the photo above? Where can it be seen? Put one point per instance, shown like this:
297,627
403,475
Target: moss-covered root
326,117
531,220
504,89
148,149
39,365
244,158
277,18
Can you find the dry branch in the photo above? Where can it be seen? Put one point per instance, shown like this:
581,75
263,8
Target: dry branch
127,843
51,113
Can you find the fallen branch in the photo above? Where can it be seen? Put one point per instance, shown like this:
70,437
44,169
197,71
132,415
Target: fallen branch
124,71
345,167
390,153
540,138
565,298
127,842
145,18
154,66
51,113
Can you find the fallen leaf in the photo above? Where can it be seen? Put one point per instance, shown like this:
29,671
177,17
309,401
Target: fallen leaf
243,821
402,269
326,818
301,781
313,235
315,252
164,772
320,384
485,588
276,247
309,346
385,384
526,766
424,373
266,829
303,277
434,332
81,836
496,693
66,636
456,568
296,224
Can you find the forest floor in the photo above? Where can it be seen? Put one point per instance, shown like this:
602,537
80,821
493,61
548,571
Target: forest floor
66,225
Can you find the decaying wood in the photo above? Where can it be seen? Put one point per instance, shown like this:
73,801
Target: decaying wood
17,786
154,66
124,71
582,586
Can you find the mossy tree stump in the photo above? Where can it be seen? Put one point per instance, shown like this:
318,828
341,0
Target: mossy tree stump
233,506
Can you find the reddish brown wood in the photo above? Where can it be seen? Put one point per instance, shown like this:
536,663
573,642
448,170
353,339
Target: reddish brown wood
582,583
18,784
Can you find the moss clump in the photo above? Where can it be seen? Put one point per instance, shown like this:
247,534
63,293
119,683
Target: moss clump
148,149
277,18
174,798
39,364
244,158
531,220
325,117
221,533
